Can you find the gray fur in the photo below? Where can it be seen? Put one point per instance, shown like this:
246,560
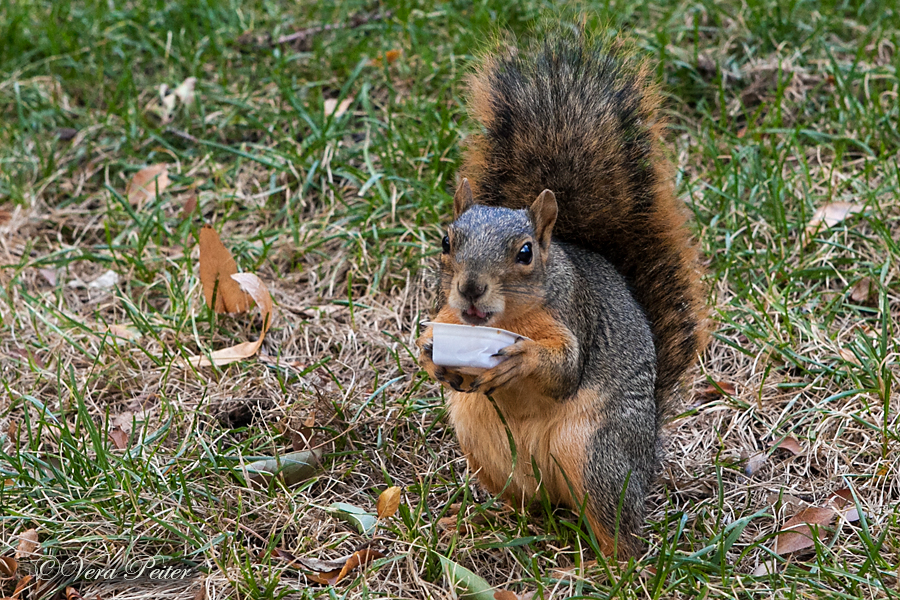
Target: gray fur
615,354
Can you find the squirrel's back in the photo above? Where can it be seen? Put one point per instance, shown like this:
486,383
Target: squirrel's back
581,119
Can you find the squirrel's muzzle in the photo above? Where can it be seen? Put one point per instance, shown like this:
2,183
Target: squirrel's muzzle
472,290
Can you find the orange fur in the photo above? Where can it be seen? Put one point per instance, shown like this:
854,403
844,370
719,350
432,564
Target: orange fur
552,433
582,121
600,207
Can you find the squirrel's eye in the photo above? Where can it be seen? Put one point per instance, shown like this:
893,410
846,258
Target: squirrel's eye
445,244
524,255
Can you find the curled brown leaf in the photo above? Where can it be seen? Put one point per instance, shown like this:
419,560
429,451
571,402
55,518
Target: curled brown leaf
216,267
119,438
8,566
802,529
251,284
147,183
863,292
388,502
72,594
754,462
831,214
329,572
28,544
333,108
842,501
788,443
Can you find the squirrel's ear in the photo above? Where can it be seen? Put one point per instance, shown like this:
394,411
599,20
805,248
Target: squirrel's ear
462,200
543,215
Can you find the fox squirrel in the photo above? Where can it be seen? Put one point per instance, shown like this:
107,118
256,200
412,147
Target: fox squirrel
567,231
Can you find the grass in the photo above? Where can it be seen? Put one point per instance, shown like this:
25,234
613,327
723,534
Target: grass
777,108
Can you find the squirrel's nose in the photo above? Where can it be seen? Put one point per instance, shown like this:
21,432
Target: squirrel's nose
472,290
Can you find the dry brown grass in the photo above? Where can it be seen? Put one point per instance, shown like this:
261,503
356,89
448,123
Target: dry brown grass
761,139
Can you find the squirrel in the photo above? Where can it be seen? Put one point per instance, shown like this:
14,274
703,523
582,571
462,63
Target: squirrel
567,231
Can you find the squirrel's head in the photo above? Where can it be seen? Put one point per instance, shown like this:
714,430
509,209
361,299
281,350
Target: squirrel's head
494,258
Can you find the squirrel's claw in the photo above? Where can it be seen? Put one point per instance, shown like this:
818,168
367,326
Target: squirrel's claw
454,380
513,349
515,366
426,351
442,374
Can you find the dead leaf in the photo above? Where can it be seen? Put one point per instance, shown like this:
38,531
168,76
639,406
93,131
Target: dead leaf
126,333
831,215
319,565
189,207
49,275
719,388
329,572
125,420
754,462
848,356
23,585
388,502
843,495
862,292
333,108
66,133
167,102
388,57
282,554
216,267
576,570
769,567
13,432
797,533
185,91
8,566
789,444
449,524
784,502
842,502
147,183
27,355
302,439
251,284
119,438
72,594
358,558
28,544
104,282
319,577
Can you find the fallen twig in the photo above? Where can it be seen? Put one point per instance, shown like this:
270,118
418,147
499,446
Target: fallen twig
182,134
355,21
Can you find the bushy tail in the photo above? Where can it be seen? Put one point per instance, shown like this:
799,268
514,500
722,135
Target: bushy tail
581,118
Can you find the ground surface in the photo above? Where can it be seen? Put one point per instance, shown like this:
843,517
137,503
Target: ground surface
777,109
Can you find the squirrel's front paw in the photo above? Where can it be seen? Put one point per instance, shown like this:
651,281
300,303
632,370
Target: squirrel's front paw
519,362
442,374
